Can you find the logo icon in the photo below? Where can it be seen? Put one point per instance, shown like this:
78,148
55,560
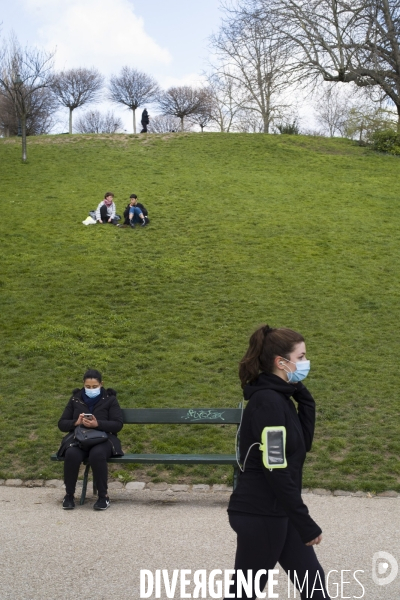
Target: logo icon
381,561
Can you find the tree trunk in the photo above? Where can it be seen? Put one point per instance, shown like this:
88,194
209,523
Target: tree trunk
181,123
267,106
398,118
134,119
23,125
70,119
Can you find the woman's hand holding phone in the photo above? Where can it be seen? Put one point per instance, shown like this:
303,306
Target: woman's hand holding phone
79,420
89,422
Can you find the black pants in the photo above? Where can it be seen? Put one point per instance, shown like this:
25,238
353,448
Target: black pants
264,541
97,457
104,214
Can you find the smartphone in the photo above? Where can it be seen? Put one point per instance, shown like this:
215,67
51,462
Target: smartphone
88,416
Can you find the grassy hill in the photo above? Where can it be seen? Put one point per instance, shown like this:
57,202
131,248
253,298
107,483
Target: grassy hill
294,231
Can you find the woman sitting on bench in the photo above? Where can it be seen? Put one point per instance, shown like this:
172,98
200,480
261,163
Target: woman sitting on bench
93,407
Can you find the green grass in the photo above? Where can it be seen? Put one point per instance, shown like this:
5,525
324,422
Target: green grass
294,231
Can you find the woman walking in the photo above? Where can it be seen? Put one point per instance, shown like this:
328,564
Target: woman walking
266,509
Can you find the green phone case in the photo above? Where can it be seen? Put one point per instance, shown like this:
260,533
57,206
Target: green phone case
273,447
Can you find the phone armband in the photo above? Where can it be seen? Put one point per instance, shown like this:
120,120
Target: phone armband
273,447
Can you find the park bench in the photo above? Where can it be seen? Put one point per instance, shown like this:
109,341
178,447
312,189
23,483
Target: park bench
181,416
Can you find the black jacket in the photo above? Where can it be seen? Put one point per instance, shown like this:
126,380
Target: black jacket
107,412
145,118
276,492
139,205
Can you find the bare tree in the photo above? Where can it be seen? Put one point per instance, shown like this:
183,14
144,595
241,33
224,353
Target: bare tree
227,99
23,73
342,42
10,124
204,113
166,124
76,87
332,109
255,58
180,102
249,122
133,88
202,118
93,121
39,120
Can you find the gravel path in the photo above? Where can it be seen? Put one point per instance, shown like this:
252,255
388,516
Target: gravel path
50,554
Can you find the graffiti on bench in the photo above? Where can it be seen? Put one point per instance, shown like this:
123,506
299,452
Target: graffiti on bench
203,415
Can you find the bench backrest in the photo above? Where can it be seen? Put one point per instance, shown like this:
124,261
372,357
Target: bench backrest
182,415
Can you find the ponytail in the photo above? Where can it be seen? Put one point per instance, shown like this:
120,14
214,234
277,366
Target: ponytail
264,345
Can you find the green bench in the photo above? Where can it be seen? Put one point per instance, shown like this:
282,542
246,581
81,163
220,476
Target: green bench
181,416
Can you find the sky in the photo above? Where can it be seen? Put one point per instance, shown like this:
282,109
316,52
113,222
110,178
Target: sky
167,39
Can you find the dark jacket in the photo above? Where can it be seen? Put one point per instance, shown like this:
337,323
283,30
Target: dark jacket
139,205
276,492
107,412
145,118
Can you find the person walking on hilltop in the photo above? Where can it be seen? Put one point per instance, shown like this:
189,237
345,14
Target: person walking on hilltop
266,509
145,120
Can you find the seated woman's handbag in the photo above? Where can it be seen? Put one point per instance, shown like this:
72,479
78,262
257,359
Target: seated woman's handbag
86,438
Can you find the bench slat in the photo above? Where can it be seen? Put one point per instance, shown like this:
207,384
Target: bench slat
183,459
182,415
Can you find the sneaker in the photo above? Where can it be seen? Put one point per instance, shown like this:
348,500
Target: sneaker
68,502
143,223
103,502
132,224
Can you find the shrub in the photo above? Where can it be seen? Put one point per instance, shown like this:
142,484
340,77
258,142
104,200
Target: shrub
387,141
289,128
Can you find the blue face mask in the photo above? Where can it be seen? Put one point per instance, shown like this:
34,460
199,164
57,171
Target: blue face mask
92,393
301,372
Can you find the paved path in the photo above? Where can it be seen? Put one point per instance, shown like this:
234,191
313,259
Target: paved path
50,554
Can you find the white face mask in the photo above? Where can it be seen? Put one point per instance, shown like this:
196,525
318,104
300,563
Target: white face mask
92,393
301,372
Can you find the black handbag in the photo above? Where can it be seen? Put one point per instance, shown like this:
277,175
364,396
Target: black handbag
88,437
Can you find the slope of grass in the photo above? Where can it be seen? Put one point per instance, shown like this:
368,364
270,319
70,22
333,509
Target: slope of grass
294,231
